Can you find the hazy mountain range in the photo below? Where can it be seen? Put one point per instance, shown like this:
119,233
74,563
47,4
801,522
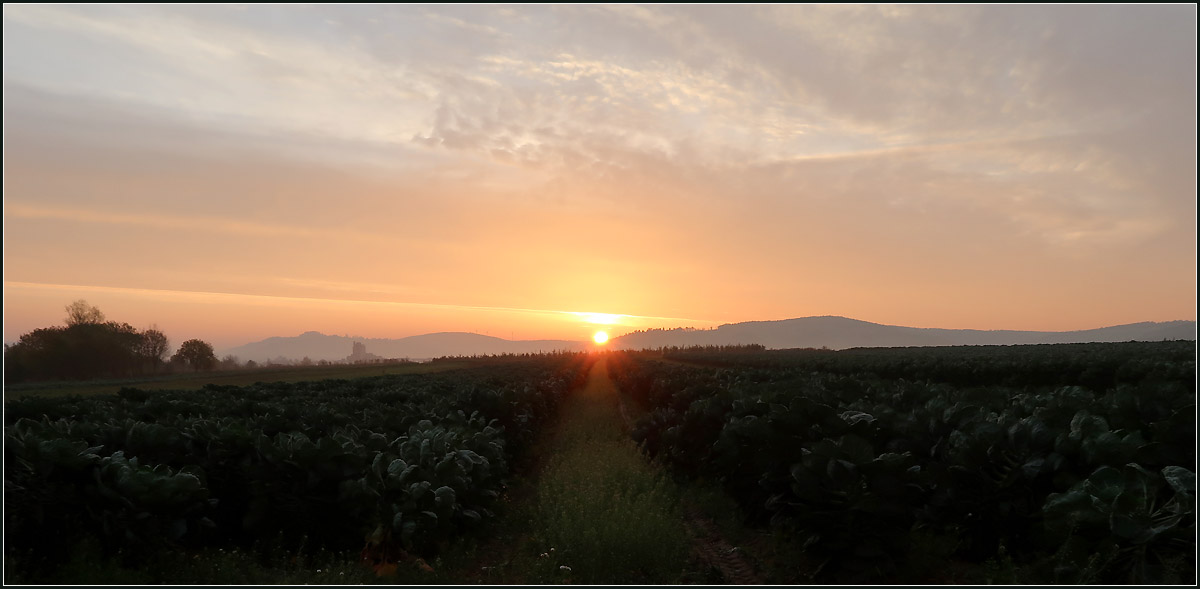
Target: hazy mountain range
807,332
841,333
318,346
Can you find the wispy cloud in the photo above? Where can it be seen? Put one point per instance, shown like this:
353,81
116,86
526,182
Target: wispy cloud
719,161
226,225
267,300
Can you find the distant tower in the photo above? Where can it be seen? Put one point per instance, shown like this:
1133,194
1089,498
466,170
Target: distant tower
359,350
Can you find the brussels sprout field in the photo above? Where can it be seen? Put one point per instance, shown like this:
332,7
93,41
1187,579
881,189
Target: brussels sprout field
404,462
1062,464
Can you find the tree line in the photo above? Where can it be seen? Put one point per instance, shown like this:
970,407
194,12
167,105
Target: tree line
88,346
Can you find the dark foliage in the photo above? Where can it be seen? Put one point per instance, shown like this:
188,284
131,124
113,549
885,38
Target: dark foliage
1071,460
79,351
401,462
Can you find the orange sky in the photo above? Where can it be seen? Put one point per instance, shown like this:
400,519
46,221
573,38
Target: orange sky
235,173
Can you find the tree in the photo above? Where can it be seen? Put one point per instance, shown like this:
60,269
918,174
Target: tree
196,353
81,313
38,355
103,349
87,347
153,347
80,351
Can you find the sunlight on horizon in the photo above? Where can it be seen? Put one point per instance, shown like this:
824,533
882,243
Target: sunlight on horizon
601,318
230,318
240,173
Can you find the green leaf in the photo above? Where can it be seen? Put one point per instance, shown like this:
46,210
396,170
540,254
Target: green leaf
377,465
1085,424
444,497
418,489
1105,484
799,473
842,473
1133,526
1180,479
1066,503
396,467
856,449
406,532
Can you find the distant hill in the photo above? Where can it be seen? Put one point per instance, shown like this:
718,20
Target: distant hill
807,332
318,346
839,333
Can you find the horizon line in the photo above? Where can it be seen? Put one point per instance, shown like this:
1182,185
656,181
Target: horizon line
574,315
202,293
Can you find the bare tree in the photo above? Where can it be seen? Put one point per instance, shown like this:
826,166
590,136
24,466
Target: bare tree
81,313
153,347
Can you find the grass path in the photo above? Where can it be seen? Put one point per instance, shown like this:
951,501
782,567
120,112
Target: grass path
592,510
608,515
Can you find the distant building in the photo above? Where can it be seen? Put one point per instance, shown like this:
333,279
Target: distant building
359,354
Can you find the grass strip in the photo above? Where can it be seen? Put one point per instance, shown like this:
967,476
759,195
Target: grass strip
601,513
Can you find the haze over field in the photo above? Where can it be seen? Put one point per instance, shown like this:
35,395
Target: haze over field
803,332
233,173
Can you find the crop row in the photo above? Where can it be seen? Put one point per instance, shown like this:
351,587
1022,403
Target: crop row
1071,484
402,462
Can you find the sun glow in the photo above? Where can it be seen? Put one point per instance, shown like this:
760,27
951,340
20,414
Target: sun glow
600,318
600,337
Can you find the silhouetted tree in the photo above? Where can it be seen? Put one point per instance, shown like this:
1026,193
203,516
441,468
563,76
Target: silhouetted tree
35,356
102,349
196,353
153,347
80,313
230,362
78,351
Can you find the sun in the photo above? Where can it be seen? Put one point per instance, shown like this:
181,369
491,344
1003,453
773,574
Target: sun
600,337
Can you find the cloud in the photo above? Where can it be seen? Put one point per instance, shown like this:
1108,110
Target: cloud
18,210
714,148
209,66
271,300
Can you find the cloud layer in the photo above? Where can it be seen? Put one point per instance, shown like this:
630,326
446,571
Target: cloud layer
963,166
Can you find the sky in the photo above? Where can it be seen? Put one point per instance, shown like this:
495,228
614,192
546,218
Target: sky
232,173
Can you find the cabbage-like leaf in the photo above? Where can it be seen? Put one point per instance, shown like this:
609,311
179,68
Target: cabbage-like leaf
1180,479
444,497
1105,484
396,467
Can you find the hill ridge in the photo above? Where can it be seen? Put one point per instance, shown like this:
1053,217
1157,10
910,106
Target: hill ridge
828,331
